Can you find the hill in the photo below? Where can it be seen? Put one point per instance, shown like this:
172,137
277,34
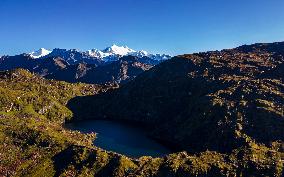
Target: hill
192,99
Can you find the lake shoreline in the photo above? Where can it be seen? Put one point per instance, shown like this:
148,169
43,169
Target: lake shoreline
125,138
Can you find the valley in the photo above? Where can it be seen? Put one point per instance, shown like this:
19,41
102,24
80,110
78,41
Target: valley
221,110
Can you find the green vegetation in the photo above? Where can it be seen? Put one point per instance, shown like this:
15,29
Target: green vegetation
32,112
234,127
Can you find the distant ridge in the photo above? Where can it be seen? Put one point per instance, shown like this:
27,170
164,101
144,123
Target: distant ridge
94,56
115,64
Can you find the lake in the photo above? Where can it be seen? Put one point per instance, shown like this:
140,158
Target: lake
126,139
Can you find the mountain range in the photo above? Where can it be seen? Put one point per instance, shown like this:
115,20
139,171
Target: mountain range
221,112
114,64
95,56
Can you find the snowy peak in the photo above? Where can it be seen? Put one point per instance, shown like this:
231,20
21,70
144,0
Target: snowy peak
95,56
39,53
117,50
97,53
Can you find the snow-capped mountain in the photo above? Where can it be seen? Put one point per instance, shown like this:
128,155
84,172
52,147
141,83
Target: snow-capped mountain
39,53
114,64
112,53
118,50
74,56
95,56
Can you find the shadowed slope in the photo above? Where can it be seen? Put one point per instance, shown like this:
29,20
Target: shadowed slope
214,100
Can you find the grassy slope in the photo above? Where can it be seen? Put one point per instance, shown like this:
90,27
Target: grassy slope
218,101
35,143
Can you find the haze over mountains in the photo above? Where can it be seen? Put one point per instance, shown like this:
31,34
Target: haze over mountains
114,64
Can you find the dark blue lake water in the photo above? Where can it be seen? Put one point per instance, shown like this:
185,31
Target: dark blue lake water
122,138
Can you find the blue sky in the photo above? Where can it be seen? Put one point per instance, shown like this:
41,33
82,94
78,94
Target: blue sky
164,26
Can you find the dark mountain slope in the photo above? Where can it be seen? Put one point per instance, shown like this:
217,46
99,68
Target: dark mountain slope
215,100
126,69
121,71
50,66
72,73
18,61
